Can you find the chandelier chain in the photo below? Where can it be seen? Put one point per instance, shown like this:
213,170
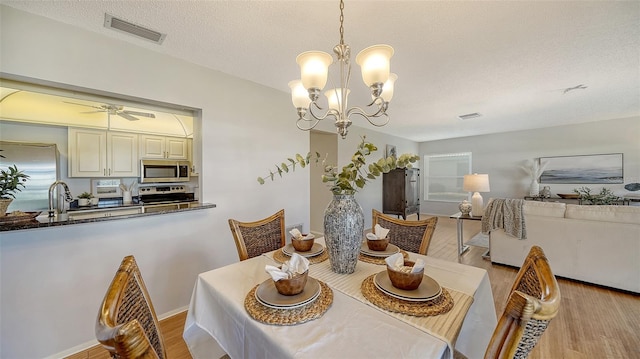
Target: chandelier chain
341,22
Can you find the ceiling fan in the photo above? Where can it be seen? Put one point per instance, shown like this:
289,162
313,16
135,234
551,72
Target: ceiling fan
116,110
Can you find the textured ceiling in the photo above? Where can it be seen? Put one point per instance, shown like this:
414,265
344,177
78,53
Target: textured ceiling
511,61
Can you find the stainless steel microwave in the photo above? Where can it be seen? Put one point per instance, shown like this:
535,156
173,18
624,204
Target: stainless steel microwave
161,171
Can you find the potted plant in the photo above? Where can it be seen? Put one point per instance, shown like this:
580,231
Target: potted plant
343,218
11,181
84,199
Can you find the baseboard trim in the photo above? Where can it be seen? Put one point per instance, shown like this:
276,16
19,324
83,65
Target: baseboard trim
92,343
77,349
173,312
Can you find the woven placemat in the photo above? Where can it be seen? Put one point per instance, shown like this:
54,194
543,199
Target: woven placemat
280,257
378,260
303,314
438,306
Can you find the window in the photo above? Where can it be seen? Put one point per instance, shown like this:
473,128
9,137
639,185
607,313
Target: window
444,175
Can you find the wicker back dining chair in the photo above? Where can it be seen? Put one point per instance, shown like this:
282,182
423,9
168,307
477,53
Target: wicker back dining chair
254,238
127,325
533,301
412,236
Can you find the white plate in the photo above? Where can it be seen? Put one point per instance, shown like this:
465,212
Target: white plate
267,294
316,249
391,250
291,306
429,289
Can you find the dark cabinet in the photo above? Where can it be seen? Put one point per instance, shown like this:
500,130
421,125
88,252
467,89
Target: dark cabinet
401,192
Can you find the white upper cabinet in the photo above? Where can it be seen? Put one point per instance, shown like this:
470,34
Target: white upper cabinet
162,147
94,153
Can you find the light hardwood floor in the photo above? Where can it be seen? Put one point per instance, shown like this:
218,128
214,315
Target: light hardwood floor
593,322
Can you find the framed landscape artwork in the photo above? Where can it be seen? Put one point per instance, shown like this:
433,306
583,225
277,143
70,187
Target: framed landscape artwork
604,169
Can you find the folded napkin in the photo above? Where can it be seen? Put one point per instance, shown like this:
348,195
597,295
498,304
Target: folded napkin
297,264
396,262
378,233
297,235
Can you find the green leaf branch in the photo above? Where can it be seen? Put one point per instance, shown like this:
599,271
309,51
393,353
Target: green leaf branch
284,167
606,196
11,181
354,175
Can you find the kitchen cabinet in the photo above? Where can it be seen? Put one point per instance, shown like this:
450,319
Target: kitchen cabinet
163,147
401,192
96,153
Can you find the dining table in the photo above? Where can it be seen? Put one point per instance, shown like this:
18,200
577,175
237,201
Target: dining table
346,321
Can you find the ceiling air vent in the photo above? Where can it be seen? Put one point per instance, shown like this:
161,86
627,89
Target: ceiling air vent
111,22
469,116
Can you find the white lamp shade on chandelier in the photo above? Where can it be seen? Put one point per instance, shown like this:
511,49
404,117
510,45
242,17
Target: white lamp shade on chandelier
299,95
387,89
314,68
374,63
334,97
476,183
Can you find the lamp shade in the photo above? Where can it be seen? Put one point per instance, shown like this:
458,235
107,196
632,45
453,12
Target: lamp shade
387,89
334,96
299,95
476,183
374,63
314,67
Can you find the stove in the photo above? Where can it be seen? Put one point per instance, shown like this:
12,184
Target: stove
170,193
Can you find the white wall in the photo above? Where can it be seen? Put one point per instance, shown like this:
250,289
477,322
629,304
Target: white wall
52,280
501,155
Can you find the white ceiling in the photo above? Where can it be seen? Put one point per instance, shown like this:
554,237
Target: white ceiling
511,61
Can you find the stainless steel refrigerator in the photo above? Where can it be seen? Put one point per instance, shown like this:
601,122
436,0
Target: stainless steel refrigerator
40,162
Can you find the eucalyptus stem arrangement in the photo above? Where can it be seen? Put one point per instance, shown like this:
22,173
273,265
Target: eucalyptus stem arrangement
354,175
605,196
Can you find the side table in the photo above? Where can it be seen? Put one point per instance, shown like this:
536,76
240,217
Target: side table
459,217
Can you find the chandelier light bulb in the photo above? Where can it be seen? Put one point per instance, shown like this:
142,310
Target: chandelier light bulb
314,68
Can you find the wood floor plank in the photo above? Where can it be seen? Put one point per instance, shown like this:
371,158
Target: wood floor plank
593,322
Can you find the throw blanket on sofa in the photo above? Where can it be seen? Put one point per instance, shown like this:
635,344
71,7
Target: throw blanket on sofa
507,214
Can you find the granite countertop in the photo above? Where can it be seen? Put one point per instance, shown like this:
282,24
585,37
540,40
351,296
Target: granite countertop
42,220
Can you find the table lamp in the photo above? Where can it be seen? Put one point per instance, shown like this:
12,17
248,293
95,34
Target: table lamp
476,183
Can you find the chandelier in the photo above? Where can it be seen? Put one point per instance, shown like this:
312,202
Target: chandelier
314,68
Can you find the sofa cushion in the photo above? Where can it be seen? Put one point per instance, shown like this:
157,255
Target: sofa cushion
544,209
604,213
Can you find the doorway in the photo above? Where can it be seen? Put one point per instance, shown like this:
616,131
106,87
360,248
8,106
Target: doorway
325,143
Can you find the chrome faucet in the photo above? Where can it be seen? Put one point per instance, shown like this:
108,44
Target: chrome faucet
67,195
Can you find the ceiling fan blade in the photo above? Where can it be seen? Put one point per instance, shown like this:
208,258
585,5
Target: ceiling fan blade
127,116
136,113
93,111
81,104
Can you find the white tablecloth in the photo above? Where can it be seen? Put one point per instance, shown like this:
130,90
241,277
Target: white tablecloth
352,328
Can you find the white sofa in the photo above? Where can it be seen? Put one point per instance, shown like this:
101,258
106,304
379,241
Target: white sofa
595,244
